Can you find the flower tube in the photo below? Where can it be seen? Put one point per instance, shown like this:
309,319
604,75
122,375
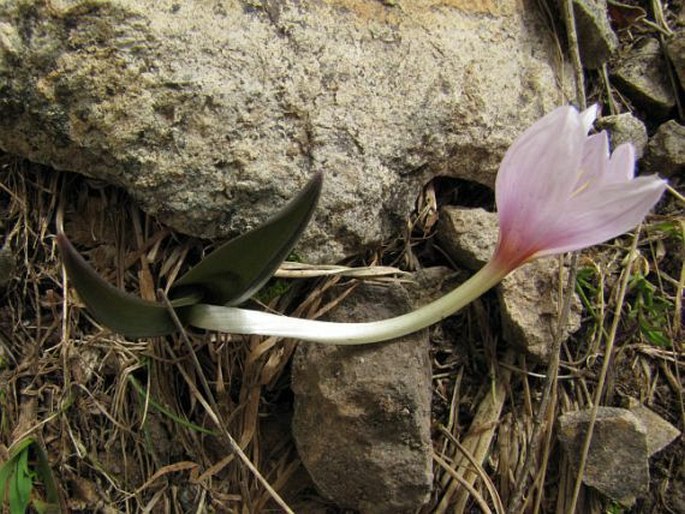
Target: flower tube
557,190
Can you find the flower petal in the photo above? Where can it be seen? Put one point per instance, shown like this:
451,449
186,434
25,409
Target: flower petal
588,117
603,213
594,163
539,169
622,164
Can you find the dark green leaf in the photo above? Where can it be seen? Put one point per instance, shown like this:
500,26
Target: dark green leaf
120,311
229,275
239,268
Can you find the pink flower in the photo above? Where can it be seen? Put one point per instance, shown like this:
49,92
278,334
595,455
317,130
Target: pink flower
560,190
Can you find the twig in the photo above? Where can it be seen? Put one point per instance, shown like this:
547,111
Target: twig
603,374
476,443
574,52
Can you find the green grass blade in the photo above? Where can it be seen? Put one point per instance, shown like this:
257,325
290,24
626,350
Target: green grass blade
238,269
120,311
167,412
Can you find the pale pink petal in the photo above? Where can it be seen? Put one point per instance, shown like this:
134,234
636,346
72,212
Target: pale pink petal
588,117
594,162
539,169
602,214
622,164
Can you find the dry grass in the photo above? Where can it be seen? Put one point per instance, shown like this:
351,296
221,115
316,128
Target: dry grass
152,425
128,426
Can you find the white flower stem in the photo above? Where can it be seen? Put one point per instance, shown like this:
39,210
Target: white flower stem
244,321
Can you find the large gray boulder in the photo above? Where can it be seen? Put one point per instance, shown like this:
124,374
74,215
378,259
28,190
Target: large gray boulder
212,114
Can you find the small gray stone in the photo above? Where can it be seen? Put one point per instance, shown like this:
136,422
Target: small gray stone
660,433
530,305
642,76
617,463
675,48
625,128
362,413
666,150
596,39
468,236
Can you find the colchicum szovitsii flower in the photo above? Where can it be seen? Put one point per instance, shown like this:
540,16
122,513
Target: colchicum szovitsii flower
557,190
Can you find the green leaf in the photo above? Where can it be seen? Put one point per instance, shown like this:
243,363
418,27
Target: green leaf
238,269
21,484
118,310
229,275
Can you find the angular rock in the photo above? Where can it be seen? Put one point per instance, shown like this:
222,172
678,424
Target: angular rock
469,236
212,116
625,128
617,460
530,305
528,296
596,39
660,433
666,150
675,48
362,413
642,76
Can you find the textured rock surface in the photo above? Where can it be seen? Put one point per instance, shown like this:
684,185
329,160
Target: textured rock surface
528,296
675,48
643,77
596,39
617,461
212,115
530,302
362,413
469,236
625,128
666,150
660,433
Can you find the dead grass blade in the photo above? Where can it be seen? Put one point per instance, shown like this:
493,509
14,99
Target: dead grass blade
468,486
211,408
301,270
476,445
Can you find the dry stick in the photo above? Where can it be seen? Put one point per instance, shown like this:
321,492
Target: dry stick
574,52
603,374
539,483
212,409
550,388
